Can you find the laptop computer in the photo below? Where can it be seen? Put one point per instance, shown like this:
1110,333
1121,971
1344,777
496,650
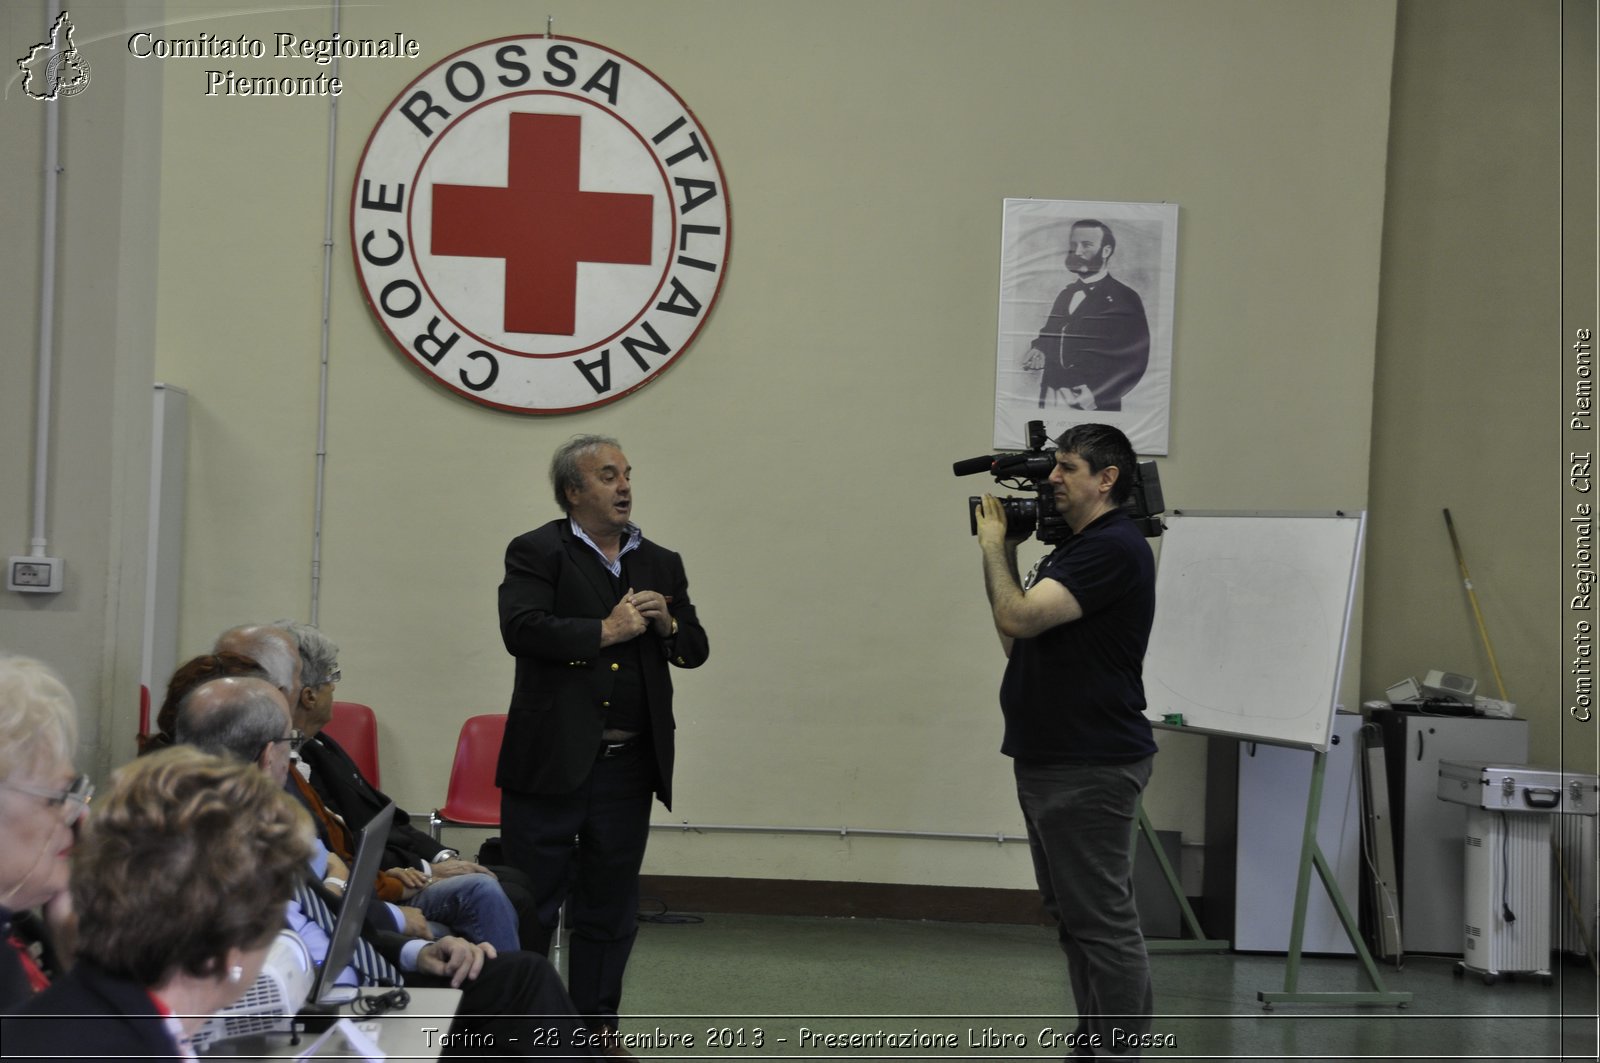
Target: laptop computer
353,911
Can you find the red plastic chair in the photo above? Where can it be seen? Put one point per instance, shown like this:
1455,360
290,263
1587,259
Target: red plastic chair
473,800
356,729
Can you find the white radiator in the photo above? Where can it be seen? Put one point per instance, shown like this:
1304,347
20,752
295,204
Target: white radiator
1507,909
1578,839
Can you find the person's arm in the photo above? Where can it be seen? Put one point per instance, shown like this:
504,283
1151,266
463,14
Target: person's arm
1018,614
454,958
529,625
673,617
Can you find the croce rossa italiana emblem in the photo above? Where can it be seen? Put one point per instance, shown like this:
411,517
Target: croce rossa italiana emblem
540,224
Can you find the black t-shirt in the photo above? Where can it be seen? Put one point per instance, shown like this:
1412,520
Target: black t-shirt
1075,693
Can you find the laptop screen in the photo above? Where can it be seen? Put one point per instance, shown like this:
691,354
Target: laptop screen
358,895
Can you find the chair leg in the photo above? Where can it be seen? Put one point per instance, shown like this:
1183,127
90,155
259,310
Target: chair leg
558,950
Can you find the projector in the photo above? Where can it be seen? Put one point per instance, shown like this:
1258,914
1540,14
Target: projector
270,1004
1437,684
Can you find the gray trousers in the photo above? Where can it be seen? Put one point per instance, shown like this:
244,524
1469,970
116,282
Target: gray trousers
1081,822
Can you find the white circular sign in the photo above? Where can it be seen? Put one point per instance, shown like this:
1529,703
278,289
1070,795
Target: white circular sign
540,224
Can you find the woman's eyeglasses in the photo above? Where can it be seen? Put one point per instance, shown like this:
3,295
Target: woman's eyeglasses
73,801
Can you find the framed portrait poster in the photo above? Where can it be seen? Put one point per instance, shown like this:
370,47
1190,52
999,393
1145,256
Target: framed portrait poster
1085,332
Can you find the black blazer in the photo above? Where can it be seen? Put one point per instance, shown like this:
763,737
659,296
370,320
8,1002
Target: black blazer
101,1017
346,791
554,596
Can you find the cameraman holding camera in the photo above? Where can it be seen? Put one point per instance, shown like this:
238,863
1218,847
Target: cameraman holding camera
1073,700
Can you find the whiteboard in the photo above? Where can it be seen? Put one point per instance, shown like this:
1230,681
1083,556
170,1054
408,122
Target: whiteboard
1252,618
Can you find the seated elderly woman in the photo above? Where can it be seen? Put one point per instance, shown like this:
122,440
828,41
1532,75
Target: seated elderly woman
179,881
41,800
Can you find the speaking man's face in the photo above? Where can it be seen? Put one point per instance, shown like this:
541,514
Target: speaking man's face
604,504
1086,252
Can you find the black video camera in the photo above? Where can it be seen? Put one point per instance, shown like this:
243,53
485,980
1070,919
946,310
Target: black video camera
1030,471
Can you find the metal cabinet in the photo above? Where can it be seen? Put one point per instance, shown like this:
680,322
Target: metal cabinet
1274,785
1255,824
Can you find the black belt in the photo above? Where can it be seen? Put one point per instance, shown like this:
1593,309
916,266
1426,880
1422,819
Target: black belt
616,749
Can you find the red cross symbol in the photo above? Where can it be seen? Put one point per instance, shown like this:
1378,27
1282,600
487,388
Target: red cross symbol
542,224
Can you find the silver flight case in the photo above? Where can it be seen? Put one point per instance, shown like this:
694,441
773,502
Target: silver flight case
1507,904
1519,788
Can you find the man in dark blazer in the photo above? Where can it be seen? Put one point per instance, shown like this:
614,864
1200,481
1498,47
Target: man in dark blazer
1095,345
593,613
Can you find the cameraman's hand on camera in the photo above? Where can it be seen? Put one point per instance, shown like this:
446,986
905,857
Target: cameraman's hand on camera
992,513
991,518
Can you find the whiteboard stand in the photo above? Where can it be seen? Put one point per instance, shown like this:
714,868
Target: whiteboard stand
1197,941
1311,856
1254,605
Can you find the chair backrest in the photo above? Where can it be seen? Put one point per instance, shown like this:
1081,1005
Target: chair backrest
355,727
473,797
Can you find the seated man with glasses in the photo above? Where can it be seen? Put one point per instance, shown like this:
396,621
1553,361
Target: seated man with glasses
514,998
471,906
348,794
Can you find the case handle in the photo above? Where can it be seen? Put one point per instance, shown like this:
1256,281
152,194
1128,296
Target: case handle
1541,797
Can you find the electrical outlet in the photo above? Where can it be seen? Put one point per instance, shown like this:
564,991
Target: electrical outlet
35,575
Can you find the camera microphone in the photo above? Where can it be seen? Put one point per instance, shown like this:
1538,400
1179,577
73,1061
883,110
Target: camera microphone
969,466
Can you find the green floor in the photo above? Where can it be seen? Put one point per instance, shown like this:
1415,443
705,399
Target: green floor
775,987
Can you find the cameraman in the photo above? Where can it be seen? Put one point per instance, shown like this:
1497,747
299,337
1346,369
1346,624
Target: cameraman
1073,700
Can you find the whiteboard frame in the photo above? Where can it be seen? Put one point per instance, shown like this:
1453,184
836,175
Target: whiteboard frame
1155,714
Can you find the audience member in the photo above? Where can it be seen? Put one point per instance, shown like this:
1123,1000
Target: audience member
348,794
472,905
513,1003
179,883
189,675
41,800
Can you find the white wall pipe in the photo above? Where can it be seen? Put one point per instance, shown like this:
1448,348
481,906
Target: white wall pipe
327,318
47,313
842,832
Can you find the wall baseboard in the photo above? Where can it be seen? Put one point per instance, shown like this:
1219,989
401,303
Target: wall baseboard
869,900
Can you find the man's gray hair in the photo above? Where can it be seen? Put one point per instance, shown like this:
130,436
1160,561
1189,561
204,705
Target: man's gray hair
270,646
564,472
230,717
319,655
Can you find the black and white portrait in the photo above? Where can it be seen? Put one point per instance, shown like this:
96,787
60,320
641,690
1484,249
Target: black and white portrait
1086,296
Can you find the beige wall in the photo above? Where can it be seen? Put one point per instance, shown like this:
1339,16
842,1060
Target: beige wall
104,357
1469,405
799,453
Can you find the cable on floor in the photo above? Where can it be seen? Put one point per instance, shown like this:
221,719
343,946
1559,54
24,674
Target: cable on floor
662,917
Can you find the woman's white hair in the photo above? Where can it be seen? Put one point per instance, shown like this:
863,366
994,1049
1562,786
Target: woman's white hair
37,716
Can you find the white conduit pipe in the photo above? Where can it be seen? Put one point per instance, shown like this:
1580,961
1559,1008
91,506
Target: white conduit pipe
842,832
47,313
327,303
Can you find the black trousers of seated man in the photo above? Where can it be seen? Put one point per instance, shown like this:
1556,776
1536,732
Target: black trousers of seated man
585,848
516,1008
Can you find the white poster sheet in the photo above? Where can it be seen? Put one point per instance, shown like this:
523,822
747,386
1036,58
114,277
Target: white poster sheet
1085,323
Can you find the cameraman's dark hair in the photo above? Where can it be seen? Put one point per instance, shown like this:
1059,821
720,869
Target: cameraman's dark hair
1102,445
